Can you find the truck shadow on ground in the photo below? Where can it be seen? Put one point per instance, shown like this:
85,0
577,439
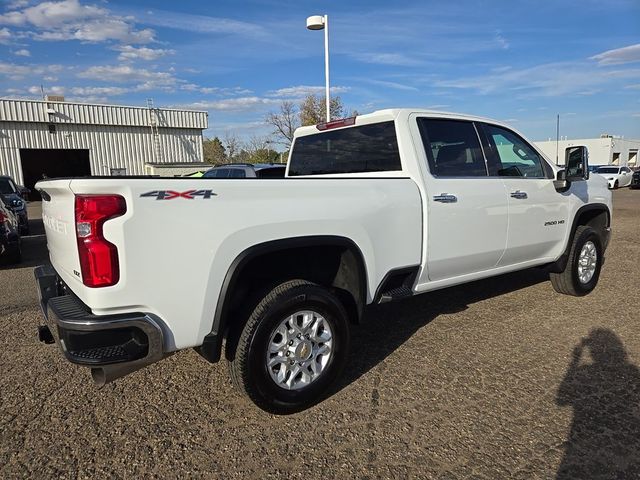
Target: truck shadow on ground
34,248
604,440
409,315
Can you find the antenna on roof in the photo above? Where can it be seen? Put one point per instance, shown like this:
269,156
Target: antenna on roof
42,91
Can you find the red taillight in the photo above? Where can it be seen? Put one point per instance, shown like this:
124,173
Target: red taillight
343,122
98,257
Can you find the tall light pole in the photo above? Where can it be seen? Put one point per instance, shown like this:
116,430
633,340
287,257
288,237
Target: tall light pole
319,22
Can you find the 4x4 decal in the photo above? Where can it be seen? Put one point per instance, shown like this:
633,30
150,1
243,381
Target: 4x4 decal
172,194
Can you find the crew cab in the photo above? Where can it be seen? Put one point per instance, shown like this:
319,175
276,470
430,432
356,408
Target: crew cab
373,209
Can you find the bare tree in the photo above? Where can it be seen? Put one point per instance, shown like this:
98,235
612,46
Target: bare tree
259,150
285,122
233,146
313,109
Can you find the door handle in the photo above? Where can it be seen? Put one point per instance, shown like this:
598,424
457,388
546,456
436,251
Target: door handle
445,198
519,194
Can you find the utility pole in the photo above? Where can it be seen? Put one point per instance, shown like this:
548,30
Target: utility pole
557,138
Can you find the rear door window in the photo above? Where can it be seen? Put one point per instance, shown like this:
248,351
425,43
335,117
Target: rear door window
237,173
217,173
367,148
452,147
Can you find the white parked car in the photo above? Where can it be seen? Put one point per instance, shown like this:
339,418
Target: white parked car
616,176
374,208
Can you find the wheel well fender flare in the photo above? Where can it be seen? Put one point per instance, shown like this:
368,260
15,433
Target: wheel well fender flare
212,344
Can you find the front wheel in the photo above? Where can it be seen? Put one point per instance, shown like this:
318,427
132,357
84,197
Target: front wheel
582,271
292,348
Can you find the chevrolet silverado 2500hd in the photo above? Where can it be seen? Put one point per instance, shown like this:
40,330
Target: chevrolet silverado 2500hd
373,208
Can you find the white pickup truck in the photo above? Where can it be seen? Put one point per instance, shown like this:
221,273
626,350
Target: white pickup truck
373,208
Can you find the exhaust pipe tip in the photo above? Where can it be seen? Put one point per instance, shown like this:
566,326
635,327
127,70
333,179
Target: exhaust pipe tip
107,374
99,377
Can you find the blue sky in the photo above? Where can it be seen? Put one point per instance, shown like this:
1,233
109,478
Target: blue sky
518,61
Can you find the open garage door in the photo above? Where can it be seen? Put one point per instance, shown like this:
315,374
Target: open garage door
52,163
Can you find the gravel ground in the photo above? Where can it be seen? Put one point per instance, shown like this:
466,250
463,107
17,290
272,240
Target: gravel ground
501,378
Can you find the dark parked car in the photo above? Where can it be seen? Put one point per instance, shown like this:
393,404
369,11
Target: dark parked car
10,251
13,195
247,170
635,180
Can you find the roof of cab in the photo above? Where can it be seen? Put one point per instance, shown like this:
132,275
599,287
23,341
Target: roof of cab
393,113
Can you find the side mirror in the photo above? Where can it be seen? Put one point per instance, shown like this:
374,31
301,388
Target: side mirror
576,161
560,182
24,192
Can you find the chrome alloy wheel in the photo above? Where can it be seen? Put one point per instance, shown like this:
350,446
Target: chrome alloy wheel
299,350
587,262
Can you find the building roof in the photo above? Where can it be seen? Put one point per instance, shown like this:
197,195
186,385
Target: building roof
95,114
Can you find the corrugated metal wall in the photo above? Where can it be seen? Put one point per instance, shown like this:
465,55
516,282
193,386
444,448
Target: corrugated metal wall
109,147
80,113
116,136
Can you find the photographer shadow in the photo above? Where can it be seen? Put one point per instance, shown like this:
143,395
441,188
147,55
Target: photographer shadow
604,441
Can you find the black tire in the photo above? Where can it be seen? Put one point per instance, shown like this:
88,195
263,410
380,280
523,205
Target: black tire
568,282
248,367
615,185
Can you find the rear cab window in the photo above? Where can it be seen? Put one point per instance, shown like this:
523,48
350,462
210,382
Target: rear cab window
452,148
360,149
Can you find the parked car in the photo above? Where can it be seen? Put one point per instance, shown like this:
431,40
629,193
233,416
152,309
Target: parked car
10,251
247,170
14,196
635,179
373,209
616,176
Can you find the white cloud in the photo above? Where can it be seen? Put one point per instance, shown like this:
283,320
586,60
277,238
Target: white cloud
302,91
16,4
99,92
234,104
70,20
552,79
129,52
19,72
55,90
393,85
397,59
23,52
619,56
5,35
222,91
129,74
501,40
200,23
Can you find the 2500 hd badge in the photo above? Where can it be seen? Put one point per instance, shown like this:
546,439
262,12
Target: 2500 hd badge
553,222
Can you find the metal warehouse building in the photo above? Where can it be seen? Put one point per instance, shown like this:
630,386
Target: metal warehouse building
606,150
54,138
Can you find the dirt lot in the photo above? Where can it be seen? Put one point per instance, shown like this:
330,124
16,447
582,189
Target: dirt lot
486,380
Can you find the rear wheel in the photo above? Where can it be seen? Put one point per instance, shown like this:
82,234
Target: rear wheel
292,348
582,271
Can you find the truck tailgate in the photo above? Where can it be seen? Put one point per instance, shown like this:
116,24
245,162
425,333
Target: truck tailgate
58,216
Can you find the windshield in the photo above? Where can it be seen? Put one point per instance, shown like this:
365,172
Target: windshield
608,170
7,186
